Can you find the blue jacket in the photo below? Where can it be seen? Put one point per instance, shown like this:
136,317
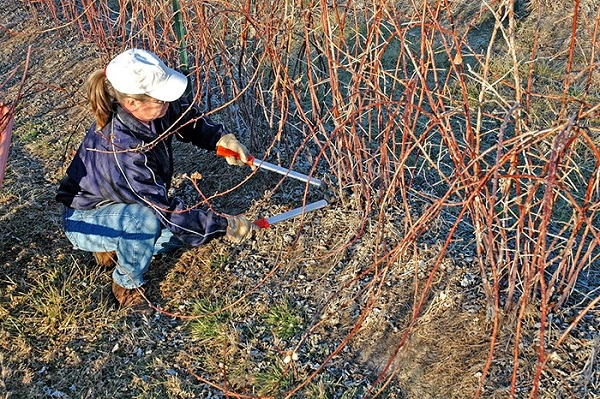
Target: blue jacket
126,162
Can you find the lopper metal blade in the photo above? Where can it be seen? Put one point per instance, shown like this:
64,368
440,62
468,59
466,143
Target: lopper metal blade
313,206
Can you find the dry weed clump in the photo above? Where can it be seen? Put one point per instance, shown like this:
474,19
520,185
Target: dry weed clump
461,254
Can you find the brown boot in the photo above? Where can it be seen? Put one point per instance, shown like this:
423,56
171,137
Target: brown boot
106,259
128,298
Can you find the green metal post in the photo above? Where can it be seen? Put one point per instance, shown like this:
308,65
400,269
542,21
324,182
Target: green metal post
180,33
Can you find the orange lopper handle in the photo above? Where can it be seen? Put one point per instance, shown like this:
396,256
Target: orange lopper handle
262,223
226,152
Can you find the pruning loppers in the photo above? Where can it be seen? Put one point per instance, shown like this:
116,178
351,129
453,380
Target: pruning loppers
225,152
313,206
266,222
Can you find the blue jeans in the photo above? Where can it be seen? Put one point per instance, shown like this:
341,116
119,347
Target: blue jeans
131,230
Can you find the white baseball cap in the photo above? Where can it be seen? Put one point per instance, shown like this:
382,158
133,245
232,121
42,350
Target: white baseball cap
138,71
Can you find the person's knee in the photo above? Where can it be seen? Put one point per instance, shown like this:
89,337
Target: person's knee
145,220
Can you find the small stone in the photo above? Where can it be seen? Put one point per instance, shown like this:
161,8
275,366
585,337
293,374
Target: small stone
467,280
287,238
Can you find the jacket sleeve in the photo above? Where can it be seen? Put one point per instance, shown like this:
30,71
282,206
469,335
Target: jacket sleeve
193,128
134,178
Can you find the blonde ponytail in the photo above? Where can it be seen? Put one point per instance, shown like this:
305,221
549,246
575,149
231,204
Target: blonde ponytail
100,97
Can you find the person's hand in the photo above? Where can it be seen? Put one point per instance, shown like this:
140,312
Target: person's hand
231,143
239,228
